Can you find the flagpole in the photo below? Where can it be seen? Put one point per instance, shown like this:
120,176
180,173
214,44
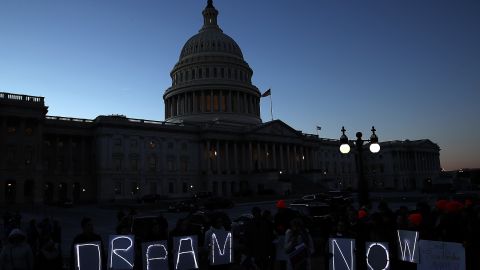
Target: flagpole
271,106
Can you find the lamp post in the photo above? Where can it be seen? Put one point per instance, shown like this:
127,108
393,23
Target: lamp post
363,196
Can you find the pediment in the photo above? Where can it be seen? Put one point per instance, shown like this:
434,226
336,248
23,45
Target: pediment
276,128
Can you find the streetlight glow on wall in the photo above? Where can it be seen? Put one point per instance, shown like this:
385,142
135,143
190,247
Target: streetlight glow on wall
363,196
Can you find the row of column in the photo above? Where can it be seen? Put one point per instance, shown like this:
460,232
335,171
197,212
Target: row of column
212,101
235,157
22,145
66,154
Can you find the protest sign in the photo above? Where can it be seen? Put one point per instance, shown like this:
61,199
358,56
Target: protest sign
88,256
121,252
342,252
221,251
155,255
377,256
436,255
407,246
185,252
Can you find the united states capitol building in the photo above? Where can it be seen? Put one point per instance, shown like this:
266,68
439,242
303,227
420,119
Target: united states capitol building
212,139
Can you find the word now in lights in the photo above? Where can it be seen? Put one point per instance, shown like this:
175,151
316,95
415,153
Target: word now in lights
345,147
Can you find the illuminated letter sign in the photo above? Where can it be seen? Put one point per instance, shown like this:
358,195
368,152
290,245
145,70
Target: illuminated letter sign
122,253
436,255
407,246
155,255
219,255
91,254
342,251
377,256
185,252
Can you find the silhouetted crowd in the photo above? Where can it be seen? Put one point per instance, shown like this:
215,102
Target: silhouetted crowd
262,240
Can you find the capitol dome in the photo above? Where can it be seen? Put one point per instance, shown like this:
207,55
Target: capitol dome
211,81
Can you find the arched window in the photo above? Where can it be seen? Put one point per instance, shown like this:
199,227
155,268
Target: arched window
214,72
199,73
193,74
207,72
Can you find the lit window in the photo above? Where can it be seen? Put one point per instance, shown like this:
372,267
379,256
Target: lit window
29,131
152,145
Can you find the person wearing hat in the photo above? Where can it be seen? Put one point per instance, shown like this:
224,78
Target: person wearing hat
16,254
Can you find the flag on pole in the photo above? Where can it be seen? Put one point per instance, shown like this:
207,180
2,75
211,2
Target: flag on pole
267,93
319,128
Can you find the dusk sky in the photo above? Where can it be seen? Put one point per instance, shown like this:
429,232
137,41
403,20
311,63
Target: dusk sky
409,67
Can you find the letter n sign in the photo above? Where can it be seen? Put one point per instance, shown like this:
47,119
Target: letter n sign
221,251
342,252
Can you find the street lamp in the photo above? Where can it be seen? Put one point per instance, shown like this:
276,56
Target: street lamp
363,196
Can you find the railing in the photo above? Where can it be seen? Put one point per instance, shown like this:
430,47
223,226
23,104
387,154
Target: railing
70,119
17,97
154,122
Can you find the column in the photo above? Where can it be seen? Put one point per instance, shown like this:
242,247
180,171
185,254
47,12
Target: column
229,102
209,161
245,104
282,167
202,101
295,156
220,107
267,156
83,156
288,158
166,109
237,102
259,158
249,157
194,100
211,100
185,103
303,157
235,157
227,158
274,153
217,157
69,159
244,159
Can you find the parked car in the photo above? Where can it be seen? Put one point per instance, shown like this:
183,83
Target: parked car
316,215
330,197
151,198
183,206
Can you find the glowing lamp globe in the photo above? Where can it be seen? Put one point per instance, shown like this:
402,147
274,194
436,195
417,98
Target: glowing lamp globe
374,147
344,148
